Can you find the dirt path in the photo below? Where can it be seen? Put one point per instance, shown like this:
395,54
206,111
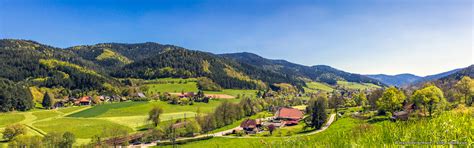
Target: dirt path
30,119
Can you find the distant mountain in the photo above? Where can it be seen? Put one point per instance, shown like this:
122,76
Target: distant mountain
438,76
321,73
405,80
396,80
459,73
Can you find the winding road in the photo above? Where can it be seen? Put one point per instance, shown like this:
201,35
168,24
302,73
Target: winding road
223,133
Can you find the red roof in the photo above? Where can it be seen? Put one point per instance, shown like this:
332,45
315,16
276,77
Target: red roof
85,99
289,113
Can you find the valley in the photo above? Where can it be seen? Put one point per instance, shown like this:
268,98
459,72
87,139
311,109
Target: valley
149,94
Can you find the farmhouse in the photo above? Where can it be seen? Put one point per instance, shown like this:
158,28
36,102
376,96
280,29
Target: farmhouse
401,115
251,126
288,116
86,100
187,95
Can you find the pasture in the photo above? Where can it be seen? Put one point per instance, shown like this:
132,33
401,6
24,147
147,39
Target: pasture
359,86
82,128
173,87
46,114
317,86
234,92
141,108
10,118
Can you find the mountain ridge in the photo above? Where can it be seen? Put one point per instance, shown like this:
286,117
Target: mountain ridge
407,79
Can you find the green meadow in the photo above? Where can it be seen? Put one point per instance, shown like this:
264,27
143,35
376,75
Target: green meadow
317,86
172,88
10,118
141,108
234,92
359,86
46,114
82,128
347,131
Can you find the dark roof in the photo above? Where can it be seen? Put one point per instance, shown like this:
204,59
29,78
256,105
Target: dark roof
400,113
249,123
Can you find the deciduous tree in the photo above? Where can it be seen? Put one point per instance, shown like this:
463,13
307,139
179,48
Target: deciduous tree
391,100
428,97
466,87
154,115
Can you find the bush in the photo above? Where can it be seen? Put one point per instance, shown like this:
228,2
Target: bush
11,131
239,133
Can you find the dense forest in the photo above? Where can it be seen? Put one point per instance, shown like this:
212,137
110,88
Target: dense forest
321,73
103,67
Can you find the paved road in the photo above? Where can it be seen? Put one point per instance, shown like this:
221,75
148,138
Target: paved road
223,133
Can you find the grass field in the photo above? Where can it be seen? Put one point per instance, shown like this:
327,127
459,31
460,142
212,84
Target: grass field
142,108
45,114
82,128
6,118
137,122
102,109
360,86
234,92
172,88
70,109
317,86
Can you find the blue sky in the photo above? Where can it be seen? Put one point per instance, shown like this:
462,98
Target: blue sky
360,36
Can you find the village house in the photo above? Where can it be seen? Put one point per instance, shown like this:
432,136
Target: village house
86,100
186,95
404,115
288,116
251,126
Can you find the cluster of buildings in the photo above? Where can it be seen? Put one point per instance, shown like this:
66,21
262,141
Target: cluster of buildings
284,116
86,100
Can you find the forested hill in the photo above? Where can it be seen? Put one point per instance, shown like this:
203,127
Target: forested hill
399,80
321,73
46,66
96,67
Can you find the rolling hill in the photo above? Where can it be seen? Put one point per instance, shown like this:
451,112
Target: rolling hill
95,67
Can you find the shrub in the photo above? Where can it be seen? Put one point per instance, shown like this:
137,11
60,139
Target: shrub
14,130
239,133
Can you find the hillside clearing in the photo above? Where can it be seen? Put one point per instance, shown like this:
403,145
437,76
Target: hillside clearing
359,86
316,86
